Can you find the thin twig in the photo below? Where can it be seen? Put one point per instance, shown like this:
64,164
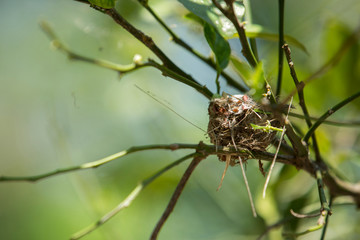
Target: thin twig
299,215
322,197
97,163
240,28
57,44
322,237
320,224
329,113
129,199
122,69
147,41
209,149
329,122
302,101
180,187
276,153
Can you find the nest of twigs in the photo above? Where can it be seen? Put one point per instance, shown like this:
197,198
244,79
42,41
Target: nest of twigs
240,122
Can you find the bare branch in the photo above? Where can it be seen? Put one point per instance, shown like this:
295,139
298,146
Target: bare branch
122,69
299,215
149,43
97,163
176,195
302,100
240,28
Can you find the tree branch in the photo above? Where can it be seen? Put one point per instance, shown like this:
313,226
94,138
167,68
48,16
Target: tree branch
122,69
97,163
176,195
146,40
240,28
302,100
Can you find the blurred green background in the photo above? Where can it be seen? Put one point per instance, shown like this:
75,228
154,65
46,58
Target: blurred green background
56,113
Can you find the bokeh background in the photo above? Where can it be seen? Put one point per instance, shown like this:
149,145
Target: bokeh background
56,113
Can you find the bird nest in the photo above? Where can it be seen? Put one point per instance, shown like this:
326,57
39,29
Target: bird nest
240,122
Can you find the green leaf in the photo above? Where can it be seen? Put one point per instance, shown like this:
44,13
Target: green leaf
258,80
242,69
192,17
218,45
210,14
103,3
254,78
257,31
